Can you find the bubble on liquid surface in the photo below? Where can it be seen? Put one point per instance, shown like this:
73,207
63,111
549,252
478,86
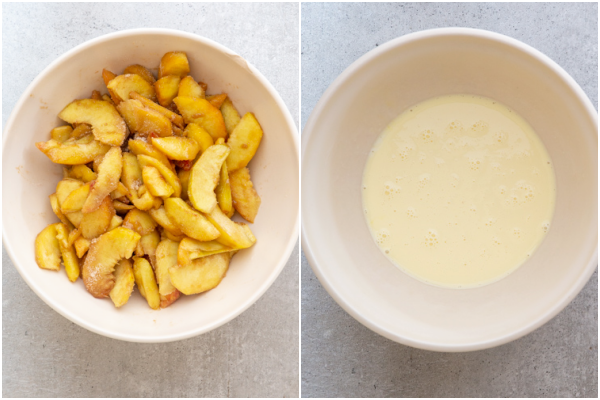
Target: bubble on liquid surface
411,212
424,179
522,192
431,238
497,240
473,208
439,161
496,166
517,232
500,137
502,189
475,161
455,127
490,221
427,136
480,127
390,189
545,226
450,145
382,236
422,157
404,150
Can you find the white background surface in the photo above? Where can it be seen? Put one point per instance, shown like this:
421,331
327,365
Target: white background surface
340,357
256,354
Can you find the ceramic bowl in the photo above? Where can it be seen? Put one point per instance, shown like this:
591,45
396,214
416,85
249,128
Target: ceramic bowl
29,178
342,129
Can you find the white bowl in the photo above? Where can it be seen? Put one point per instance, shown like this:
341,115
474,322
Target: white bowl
342,129
29,178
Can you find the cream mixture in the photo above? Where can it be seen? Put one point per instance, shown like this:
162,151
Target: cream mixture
458,191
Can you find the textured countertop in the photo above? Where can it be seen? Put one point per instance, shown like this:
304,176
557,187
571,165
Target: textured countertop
341,357
44,354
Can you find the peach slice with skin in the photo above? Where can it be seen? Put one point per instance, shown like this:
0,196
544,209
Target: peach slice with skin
166,89
155,182
188,87
201,112
199,134
141,71
67,251
167,173
103,255
131,177
230,115
205,177
95,223
72,153
83,173
174,63
109,173
146,281
56,208
223,192
166,257
124,283
244,141
190,221
233,234
201,275
217,100
245,199
143,120
175,118
177,148
120,87
190,249
162,218
47,249
139,221
108,126
76,199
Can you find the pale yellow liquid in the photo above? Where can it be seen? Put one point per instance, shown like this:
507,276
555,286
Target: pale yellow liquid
458,191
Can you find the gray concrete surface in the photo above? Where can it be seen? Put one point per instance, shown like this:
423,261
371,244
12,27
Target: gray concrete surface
44,354
342,358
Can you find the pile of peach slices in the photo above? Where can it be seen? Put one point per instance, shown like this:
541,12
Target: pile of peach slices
153,173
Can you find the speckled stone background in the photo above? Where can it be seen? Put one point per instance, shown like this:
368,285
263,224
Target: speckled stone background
44,354
342,358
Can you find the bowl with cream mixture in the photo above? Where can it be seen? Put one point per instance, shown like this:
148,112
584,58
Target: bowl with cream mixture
450,189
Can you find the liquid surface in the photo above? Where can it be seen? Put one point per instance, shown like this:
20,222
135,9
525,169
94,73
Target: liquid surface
458,191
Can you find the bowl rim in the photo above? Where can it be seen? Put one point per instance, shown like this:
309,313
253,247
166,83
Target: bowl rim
280,264
307,135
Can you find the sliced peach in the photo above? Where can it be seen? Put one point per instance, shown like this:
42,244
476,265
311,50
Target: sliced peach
139,221
47,249
217,100
56,208
162,218
133,181
124,283
167,173
96,95
141,71
201,275
138,147
205,177
188,87
235,235
107,76
76,199
244,142
175,118
109,173
81,130
115,222
199,134
95,223
230,115
177,148
223,192
120,192
201,112
245,199
184,177
190,221
103,255
82,172
190,249
69,257
61,133
122,85
155,182
166,89
146,281
107,125
72,153
143,120
121,207
166,257
174,63
81,245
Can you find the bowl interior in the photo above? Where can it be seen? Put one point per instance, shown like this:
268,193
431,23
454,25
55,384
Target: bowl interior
30,178
341,132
